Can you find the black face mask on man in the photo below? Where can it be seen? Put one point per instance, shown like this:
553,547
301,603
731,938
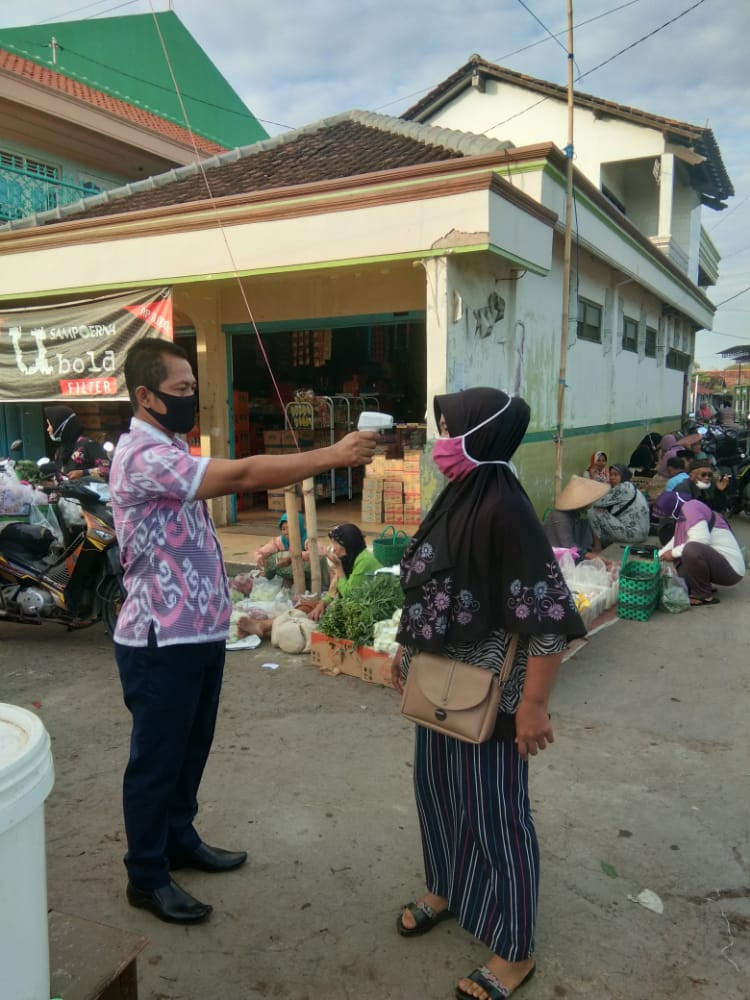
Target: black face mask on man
180,415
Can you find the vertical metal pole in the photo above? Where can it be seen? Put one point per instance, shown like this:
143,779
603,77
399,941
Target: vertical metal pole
566,266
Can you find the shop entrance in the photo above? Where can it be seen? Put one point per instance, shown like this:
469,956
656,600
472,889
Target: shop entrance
334,368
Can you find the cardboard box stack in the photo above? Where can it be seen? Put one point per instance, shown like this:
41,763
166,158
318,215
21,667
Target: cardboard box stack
391,491
412,488
372,499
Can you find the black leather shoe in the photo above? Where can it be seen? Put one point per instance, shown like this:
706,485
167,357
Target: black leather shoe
169,902
209,859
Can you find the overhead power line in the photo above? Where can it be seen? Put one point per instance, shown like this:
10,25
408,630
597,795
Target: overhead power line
599,65
88,6
543,25
557,34
735,296
524,48
726,215
638,41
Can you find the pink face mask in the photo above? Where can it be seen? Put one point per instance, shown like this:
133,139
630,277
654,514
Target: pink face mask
451,457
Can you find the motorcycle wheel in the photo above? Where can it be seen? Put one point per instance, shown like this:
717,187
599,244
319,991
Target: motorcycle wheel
111,594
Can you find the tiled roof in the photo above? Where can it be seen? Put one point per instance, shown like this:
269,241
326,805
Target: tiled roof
149,61
346,145
712,173
11,63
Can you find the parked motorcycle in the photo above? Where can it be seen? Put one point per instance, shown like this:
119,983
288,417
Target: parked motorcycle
66,571
728,449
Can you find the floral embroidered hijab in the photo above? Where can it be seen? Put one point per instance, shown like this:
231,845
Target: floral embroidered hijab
480,559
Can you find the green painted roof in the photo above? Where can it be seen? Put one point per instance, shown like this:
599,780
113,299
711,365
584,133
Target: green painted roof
124,57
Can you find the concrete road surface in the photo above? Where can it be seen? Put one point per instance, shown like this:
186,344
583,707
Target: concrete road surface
646,787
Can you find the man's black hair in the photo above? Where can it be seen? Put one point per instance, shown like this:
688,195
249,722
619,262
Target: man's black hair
144,364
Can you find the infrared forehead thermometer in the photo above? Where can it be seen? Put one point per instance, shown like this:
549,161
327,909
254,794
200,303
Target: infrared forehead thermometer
374,420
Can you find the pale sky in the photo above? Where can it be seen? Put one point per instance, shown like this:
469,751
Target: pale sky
295,61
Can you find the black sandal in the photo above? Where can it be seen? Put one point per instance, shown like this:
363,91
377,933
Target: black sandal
491,985
425,919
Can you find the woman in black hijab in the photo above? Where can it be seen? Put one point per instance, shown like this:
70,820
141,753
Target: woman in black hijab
646,456
478,570
350,560
76,455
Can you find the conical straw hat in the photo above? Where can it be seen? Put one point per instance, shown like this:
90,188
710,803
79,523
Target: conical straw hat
580,492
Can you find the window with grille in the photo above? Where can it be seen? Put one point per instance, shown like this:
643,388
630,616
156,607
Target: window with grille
589,321
11,160
650,350
629,334
46,170
678,360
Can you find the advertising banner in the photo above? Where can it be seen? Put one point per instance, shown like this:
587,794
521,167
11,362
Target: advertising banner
77,350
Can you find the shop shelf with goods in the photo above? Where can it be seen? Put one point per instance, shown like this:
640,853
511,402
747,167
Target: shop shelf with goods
326,419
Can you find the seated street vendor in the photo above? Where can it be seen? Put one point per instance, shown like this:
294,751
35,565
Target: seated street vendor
622,515
567,525
706,484
350,561
275,559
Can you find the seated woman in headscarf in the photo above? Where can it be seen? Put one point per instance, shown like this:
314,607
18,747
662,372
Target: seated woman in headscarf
704,549
622,515
567,525
597,469
670,447
275,559
645,458
350,561
76,454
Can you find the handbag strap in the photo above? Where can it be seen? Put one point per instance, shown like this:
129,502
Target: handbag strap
629,503
510,655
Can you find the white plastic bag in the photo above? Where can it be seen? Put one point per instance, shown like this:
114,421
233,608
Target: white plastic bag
674,597
16,498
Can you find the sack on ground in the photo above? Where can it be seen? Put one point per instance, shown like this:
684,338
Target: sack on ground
674,592
291,632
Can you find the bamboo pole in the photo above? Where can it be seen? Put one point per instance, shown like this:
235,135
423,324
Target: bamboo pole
566,267
311,522
295,540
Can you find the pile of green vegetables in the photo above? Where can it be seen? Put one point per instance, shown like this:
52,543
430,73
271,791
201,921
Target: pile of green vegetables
354,616
28,471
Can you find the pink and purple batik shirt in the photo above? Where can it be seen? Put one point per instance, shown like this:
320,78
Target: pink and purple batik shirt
174,571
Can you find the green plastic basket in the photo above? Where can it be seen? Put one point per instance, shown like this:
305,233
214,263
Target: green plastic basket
639,587
388,550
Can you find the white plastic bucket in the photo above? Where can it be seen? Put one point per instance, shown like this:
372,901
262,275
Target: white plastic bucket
26,778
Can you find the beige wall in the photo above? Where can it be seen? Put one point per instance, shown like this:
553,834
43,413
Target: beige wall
351,291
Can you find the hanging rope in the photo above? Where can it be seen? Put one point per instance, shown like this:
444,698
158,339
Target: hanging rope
220,223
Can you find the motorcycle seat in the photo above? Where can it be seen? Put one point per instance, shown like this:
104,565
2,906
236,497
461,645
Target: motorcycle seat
29,540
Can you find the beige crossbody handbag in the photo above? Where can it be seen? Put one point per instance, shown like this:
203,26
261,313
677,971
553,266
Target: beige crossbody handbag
454,698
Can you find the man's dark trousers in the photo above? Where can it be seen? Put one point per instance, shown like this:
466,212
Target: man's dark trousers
172,693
